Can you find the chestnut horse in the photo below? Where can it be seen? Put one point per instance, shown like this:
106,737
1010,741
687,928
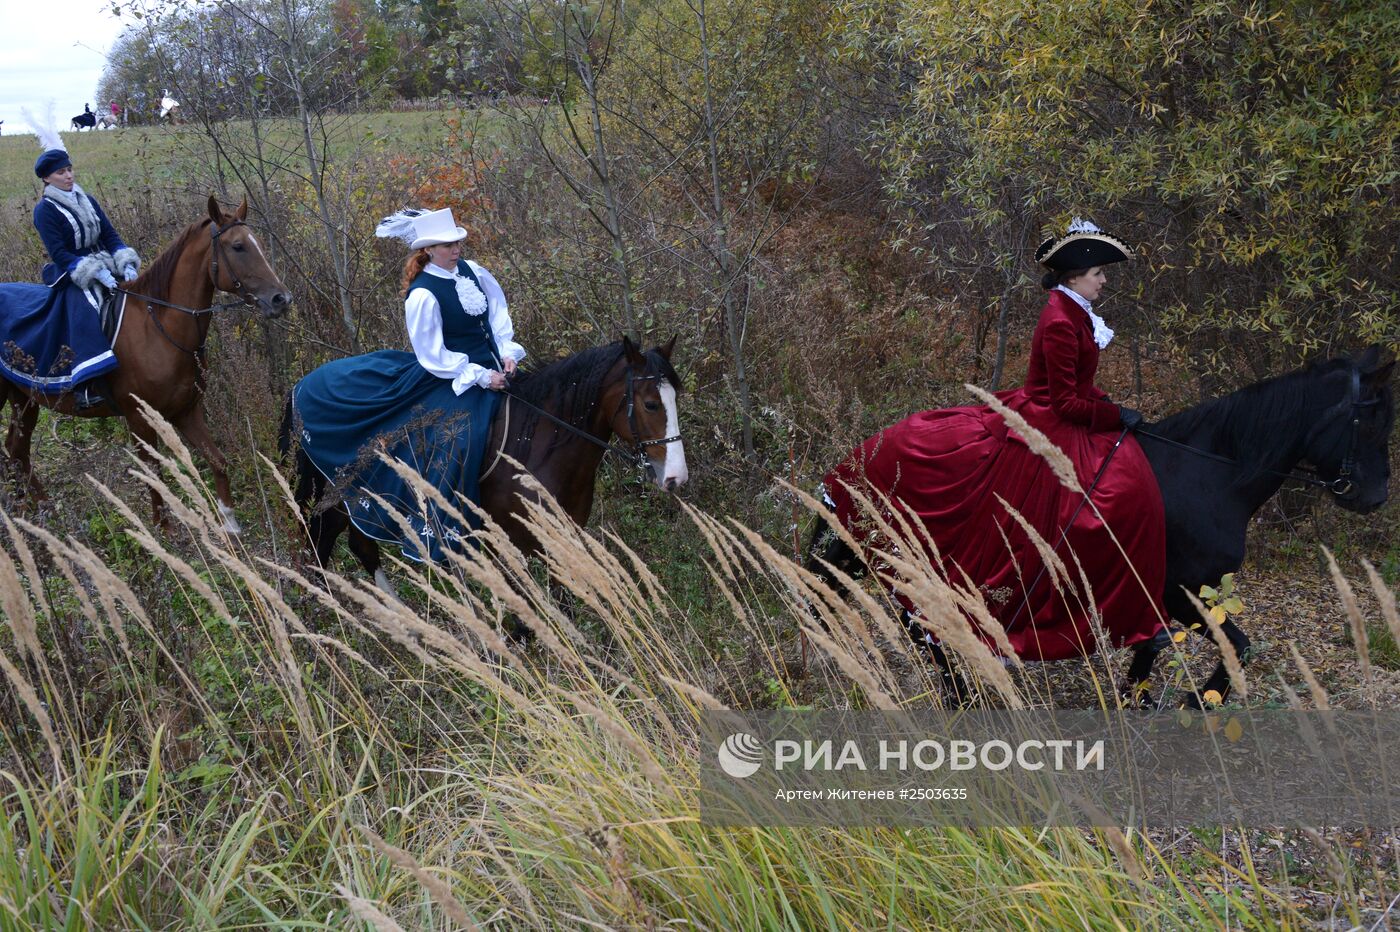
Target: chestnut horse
160,346
558,423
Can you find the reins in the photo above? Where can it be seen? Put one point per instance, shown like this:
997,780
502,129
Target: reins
637,453
215,248
1342,486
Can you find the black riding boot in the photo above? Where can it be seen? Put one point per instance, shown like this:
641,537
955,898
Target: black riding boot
91,394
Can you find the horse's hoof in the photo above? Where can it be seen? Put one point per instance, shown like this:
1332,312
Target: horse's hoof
382,583
1141,699
231,525
959,695
517,632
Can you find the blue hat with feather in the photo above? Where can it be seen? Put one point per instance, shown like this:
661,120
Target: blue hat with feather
54,156
51,161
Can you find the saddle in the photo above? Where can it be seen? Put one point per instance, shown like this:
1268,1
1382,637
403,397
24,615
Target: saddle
110,315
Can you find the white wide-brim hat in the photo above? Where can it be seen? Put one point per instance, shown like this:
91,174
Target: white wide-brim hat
435,228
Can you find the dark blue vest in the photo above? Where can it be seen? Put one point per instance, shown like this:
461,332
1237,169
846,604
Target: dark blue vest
469,334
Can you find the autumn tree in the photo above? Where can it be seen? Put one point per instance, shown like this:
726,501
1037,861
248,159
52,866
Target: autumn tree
719,103
1249,149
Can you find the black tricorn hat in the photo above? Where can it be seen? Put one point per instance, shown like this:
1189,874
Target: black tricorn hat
1083,246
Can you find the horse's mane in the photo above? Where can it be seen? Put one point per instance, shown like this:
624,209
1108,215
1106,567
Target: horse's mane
155,280
569,388
1257,423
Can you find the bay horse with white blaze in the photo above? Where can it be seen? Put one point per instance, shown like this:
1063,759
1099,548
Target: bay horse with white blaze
160,346
1217,463
558,423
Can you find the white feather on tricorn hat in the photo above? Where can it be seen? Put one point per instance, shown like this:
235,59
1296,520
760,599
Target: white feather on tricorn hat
1082,247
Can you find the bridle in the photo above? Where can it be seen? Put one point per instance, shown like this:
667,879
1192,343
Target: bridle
639,446
246,298
1342,486
636,453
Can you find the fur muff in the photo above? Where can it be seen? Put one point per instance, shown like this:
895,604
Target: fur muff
125,258
84,274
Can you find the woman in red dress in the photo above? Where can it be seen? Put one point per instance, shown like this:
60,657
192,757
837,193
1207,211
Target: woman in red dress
947,468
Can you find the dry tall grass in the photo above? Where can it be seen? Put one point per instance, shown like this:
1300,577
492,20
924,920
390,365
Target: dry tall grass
399,764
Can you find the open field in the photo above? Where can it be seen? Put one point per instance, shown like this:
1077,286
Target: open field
143,157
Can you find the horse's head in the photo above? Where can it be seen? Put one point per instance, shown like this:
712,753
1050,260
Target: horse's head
645,412
238,265
1350,446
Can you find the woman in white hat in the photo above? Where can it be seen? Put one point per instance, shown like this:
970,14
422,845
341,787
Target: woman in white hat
445,298
961,471
431,408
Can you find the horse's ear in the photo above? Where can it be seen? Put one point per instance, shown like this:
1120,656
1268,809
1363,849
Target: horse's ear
666,350
215,213
242,212
634,355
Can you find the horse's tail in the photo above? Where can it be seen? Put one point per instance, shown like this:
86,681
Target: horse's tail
284,432
306,476
825,546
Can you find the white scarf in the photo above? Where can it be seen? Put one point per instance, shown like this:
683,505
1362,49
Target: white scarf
1102,334
470,296
80,204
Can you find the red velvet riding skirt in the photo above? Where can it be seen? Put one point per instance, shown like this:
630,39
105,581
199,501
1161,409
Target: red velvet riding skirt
946,468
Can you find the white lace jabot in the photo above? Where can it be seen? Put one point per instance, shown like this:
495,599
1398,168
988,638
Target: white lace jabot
473,301
1102,334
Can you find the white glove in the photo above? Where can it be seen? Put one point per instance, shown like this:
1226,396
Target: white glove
105,277
130,273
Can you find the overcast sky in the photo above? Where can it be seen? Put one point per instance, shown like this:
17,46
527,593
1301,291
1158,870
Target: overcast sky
52,49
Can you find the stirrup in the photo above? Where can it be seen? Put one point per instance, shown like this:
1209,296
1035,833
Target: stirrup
88,396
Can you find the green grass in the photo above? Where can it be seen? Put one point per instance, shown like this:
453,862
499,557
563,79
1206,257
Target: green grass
1385,653
152,156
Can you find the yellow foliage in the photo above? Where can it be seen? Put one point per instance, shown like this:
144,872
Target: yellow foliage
1249,142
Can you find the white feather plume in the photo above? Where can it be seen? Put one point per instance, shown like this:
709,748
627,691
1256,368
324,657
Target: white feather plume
46,130
1079,225
399,225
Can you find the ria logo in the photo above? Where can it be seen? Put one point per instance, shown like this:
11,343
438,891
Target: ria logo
740,755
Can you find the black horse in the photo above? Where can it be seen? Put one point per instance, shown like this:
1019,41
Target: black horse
1217,464
557,422
85,120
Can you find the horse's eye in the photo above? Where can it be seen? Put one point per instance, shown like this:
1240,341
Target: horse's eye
652,406
237,247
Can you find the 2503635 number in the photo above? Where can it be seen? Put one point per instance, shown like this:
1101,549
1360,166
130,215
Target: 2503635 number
935,793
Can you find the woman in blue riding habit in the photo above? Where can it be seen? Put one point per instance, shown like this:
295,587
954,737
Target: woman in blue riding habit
86,256
431,408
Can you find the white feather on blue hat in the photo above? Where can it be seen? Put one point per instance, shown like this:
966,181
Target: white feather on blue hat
55,154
